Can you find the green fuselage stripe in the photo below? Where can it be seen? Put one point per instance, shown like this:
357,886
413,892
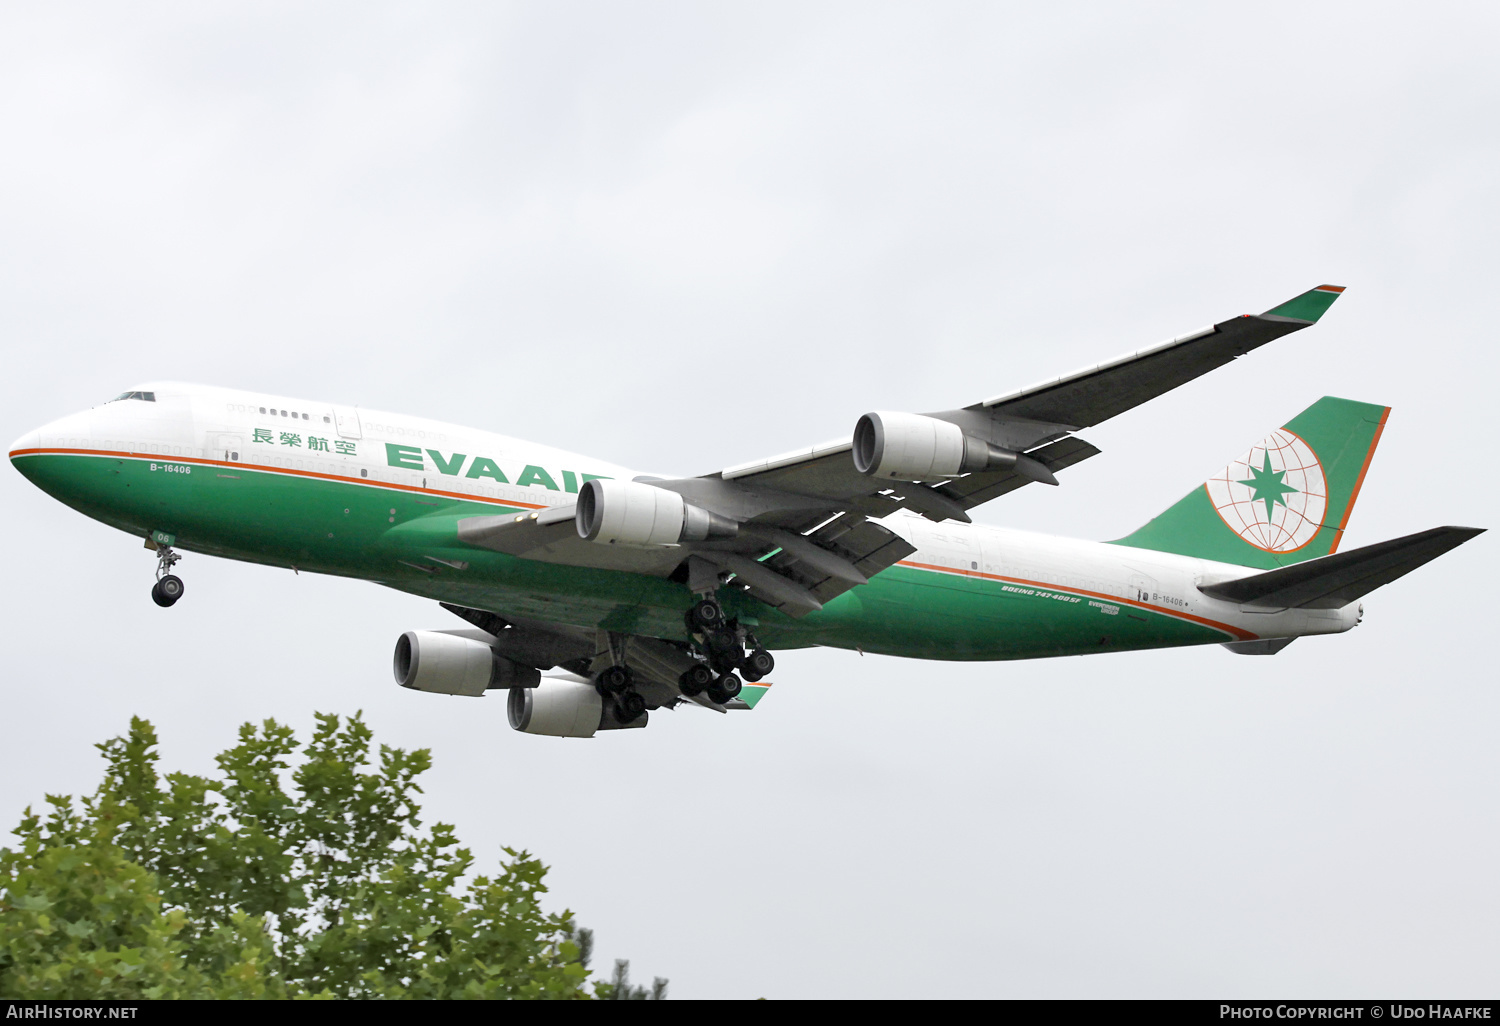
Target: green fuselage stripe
405,537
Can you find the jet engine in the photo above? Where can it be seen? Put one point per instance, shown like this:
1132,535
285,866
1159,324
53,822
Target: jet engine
634,513
563,708
911,447
454,663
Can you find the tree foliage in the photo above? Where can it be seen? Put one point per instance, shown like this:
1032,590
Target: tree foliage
276,878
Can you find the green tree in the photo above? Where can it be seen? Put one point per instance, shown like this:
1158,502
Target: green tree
618,989
273,880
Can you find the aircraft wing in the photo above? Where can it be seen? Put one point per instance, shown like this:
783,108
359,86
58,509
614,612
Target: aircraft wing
805,532
1035,422
1094,394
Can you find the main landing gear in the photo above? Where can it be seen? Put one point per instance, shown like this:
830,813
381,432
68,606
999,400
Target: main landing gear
615,683
700,679
168,587
722,642
725,664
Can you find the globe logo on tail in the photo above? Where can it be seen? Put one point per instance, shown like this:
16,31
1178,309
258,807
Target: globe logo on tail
1275,496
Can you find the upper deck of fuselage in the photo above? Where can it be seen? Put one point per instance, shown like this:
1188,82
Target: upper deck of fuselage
200,423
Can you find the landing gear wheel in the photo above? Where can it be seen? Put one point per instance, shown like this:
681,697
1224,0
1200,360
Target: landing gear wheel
167,590
706,615
612,680
724,651
725,688
758,663
168,586
629,707
694,681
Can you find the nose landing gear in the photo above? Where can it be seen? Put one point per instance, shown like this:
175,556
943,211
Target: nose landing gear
167,590
168,587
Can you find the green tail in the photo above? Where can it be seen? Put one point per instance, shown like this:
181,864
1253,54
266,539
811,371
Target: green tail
1286,500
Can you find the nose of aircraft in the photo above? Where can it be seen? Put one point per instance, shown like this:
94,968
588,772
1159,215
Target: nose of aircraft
30,440
66,431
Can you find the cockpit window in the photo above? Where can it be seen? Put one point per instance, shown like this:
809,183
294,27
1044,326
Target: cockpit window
149,397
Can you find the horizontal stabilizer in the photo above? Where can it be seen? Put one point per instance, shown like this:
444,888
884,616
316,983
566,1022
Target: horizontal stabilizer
1331,582
750,694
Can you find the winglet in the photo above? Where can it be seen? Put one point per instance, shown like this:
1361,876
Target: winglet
1309,306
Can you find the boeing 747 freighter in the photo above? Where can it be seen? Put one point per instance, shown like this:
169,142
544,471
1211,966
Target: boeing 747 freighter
637,593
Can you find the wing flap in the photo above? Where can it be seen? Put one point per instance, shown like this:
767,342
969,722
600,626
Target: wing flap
555,539
790,580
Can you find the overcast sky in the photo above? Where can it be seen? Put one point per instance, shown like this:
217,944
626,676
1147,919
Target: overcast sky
680,236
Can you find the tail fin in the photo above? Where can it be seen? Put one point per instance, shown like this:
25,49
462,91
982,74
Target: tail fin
1286,500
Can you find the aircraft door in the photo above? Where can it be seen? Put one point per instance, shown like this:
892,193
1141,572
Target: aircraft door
226,447
946,545
992,563
347,420
1140,588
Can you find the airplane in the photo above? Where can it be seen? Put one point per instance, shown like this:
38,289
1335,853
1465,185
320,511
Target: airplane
636,593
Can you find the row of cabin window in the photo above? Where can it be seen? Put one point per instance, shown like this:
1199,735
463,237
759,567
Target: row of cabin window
388,429
294,415
271,412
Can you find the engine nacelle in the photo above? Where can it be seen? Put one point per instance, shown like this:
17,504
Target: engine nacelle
910,447
449,663
634,513
563,708
558,708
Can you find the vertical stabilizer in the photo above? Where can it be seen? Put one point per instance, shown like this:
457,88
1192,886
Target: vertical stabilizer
1286,500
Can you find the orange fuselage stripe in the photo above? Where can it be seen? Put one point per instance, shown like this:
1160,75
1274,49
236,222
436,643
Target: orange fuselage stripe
1235,632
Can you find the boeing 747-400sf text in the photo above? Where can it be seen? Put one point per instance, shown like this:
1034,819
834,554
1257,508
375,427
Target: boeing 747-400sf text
642,592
